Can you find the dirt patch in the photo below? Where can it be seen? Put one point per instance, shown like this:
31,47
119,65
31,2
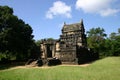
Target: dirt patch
82,65
43,67
46,67
16,67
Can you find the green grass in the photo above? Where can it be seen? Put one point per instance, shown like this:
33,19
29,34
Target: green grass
105,69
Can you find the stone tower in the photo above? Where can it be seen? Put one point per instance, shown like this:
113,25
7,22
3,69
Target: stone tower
73,37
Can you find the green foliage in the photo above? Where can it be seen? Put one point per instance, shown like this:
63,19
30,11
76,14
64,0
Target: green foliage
38,42
96,39
35,50
96,32
105,46
15,35
7,56
115,40
50,38
105,69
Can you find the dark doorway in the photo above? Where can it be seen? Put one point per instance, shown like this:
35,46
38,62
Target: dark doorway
49,51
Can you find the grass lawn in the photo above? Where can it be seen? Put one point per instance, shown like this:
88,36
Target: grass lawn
105,69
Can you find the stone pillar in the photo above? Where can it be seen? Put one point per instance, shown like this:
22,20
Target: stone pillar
53,50
57,50
45,53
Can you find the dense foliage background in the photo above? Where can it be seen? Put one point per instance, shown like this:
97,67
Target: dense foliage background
106,46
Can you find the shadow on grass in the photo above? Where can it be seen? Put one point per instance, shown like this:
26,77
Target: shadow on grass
10,65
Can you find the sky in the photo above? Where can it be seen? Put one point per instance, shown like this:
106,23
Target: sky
46,17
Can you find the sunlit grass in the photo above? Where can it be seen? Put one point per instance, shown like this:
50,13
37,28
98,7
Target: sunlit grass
105,69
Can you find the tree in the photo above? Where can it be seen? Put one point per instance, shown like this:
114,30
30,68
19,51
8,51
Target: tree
115,40
119,30
35,50
96,39
15,35
38,42
50,39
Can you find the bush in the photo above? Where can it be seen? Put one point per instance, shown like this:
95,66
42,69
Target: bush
6,56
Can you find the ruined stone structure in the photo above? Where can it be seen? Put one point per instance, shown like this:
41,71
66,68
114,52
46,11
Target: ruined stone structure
71,47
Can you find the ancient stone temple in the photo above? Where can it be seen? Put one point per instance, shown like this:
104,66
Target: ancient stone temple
71,47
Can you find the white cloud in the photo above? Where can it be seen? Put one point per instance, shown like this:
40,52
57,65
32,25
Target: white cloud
109,12
102,7
59,8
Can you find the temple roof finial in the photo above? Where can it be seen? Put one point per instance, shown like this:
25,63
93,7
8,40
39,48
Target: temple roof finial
64,23
81,21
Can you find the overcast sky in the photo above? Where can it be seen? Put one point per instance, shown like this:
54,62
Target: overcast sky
46,17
